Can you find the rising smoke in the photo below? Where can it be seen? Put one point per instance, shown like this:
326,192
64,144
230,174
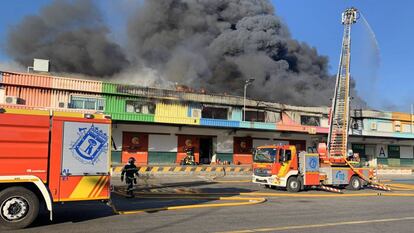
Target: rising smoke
211,44
72,35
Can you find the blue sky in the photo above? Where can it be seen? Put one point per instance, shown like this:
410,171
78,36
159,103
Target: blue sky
383,78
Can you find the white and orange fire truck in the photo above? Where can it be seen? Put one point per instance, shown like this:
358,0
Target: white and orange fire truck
282,165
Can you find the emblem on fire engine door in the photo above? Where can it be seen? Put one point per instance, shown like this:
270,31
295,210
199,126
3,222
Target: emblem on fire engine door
90,145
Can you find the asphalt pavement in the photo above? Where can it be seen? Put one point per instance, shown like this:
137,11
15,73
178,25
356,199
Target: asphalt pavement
310,213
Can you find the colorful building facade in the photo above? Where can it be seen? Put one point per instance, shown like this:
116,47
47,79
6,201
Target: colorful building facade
158,126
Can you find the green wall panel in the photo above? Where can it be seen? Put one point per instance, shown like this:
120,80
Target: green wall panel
225,157
115,106
116,157
132,117
108,87
158,157
406,162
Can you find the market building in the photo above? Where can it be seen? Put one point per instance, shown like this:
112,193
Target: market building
157,125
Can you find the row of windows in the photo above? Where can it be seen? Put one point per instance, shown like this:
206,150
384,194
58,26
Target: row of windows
394,151
147,107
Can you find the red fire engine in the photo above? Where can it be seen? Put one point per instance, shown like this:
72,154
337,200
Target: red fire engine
48,157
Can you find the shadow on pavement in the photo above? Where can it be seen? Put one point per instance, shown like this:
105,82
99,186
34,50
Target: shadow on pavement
72,212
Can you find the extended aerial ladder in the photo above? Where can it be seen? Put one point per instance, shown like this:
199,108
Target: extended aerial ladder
337,147
339,117
330,167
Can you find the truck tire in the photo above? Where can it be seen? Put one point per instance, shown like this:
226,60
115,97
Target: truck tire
293,184
355,183
19,207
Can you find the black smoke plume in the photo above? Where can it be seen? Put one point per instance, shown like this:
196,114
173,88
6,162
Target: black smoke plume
72,35
210,44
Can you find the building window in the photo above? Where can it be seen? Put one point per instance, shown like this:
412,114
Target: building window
393,152
310,120
256,116
360,149
140,107
214,113
90,103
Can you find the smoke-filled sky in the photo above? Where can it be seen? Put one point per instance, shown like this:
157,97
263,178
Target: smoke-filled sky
212,44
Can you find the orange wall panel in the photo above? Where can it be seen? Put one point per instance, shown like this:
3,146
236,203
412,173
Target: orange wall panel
35,97
188,142
135,145
77,84
27,79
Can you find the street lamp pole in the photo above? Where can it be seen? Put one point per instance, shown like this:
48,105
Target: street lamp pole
246,83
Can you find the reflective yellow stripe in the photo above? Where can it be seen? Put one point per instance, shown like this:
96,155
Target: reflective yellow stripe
166,169
188,169
101,186
283,170
154,169
84,187
177,169
18,180
142,169
208,169
84,199
26,111
77,115
97,187
198,169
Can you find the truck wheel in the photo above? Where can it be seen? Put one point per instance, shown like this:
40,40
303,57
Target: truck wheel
19,207
293,184
355,183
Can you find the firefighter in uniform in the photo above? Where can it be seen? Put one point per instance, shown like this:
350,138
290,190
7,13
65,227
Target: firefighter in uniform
131,172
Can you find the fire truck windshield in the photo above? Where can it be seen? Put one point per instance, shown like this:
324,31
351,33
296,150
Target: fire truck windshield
265,155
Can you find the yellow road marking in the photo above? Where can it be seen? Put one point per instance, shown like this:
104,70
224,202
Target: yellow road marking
401,185
154,169
232,181
272,229
165,169
244,201
142,169
208,169
294,195
177,169
198,169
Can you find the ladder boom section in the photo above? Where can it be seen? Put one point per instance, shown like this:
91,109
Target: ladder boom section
339,118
